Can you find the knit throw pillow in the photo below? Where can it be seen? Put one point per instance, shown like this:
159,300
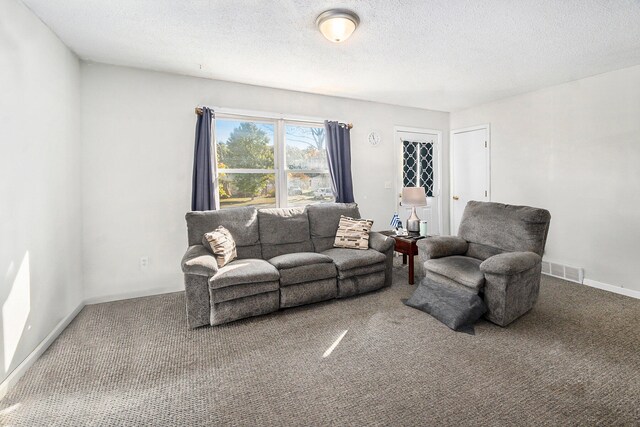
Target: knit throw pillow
221,244
353,233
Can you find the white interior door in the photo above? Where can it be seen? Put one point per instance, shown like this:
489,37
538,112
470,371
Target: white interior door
470,170
431,140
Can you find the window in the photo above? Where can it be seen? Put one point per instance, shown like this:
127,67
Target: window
246,163
307,172
417,165
249,152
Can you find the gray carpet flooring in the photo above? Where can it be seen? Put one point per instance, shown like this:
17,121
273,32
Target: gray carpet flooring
573,360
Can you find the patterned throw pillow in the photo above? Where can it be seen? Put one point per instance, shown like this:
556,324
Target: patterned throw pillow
221,243
353,233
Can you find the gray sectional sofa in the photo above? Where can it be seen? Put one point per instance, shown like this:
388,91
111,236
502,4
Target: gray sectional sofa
285,259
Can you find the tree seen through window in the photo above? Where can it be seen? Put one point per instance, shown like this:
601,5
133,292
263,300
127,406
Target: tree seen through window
248,174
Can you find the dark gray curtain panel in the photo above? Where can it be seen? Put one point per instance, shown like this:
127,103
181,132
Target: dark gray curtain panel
339,156
202,191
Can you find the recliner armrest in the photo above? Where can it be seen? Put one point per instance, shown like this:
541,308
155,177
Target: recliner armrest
198,261
442,246
510,263
380,242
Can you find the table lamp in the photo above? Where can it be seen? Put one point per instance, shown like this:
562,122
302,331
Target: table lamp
414,197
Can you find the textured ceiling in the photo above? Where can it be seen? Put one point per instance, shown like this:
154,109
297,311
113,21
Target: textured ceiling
438,54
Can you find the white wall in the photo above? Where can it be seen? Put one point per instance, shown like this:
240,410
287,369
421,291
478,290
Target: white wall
40,232
138,135
574,149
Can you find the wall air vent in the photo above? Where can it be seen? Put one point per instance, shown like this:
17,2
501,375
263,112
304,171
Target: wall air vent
573,274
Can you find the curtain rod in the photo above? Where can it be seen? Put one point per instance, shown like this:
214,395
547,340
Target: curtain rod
199,113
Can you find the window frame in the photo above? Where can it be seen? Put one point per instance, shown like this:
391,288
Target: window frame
281,168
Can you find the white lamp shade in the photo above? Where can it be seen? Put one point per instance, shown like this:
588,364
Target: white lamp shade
414,196
337,24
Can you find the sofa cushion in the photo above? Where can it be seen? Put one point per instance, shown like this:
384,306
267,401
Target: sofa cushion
361,271
308,293
443,280
506,228
271,251
240,308
229,293
303,267
346,259
307,273
221,244
283,225
284,231
480,251
242,271
353,233
324,219
253,251
242,223
321,244
461,269
355,285
298,259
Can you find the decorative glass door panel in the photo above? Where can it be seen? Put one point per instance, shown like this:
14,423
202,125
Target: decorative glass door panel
417,165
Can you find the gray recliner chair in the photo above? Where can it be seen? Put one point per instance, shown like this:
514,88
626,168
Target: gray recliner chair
497,253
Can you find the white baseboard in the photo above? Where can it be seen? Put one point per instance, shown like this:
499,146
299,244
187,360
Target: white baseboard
132,294
20,370
611,288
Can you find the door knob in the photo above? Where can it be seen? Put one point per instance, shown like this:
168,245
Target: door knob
455,197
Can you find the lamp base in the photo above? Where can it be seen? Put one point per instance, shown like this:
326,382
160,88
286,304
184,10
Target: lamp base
413,223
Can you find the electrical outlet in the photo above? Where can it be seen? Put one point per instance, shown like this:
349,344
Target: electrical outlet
387,185
144,263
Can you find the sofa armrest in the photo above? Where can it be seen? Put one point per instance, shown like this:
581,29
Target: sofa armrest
384,244
198,261
510,263
380,242
441,246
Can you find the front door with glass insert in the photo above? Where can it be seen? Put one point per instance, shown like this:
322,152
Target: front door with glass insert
418,155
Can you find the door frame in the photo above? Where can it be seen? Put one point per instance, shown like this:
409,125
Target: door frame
487,128
397,160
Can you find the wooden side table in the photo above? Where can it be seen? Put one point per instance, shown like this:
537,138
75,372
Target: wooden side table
408,247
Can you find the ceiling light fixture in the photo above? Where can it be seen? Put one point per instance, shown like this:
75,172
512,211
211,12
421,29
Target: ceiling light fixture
337,24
